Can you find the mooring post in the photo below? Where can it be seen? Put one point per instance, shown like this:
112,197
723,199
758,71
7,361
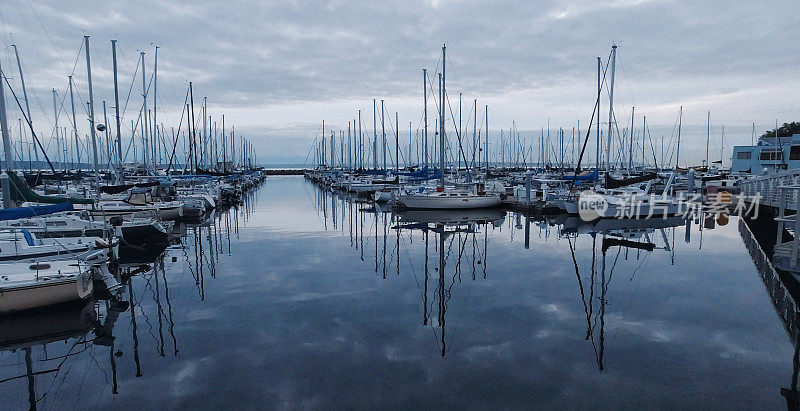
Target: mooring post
796,241
781,215
528,187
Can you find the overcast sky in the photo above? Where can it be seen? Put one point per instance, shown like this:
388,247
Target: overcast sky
277,69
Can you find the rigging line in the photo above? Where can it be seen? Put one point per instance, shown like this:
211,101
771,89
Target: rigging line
44,28
671,139
33,133
130,90
458,133
175,144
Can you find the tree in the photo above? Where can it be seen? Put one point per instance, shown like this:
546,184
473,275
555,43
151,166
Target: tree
786,130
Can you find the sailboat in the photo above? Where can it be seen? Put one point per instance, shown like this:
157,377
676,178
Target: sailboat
444,197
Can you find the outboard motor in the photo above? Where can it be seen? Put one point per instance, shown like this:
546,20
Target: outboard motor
99,263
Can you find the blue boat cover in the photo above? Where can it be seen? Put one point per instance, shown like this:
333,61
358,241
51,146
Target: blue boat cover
588,177
25,212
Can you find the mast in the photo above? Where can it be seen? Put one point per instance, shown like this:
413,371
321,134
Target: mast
192,133
322,137
91,116
458,135
55,118
474,132
610,107
425,111
630,152
145,123
396,146
383,131
116,109
708,134
224,148
644,132
678,155
374,137
74,124
108,144
9,159
155,104
599,91
25,96
486,138
360,143
349,148
205,129
442,90
722,147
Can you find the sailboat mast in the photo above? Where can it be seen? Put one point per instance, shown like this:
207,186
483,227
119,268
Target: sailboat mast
6,141
425,114
630,152
74,124
678,154
25,96
441,114
55,118
597,129
610,107
374,136
486,138
441,137
155,105
116,108
145,123
349,147
91,116
474,131
383,132
644,132
708,134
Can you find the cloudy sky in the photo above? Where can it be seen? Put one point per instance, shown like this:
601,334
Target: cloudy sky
277,69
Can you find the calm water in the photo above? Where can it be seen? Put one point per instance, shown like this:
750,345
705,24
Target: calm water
302,299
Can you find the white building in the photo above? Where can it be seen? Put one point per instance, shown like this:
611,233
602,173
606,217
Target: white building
771,154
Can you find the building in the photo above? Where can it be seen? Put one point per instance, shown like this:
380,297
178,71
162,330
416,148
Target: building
771,154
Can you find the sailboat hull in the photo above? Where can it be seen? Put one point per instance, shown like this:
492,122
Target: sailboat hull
444,201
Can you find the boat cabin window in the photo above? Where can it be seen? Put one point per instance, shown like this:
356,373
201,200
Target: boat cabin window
794,152
140,198
771,154
746,155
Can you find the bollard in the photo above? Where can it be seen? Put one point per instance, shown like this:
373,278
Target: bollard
528,188
5,182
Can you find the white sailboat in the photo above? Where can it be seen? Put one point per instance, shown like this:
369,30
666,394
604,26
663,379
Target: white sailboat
443,197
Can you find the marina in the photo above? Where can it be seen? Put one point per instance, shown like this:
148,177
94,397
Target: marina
379,326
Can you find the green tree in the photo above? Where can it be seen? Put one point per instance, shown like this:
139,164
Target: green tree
786,130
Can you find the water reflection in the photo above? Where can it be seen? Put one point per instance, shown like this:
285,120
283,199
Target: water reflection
461,243
329,300
783,287
42,347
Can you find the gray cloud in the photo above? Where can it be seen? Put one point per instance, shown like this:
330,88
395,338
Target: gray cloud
276,69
